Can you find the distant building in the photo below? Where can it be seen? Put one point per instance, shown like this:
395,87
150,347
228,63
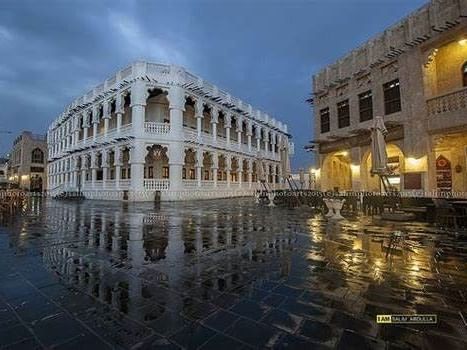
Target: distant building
154,127
414,75
28,162
3,172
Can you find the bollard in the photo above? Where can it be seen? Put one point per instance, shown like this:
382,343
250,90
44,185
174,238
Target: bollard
157,197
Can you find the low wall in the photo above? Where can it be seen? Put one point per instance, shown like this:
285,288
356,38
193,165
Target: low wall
149,196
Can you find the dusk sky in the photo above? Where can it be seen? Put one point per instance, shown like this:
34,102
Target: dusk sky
262,51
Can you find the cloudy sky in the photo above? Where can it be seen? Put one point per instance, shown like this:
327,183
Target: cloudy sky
263,51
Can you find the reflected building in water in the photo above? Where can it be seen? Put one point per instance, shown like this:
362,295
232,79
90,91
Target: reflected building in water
125,258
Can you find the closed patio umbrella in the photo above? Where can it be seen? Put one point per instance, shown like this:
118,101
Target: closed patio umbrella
379,157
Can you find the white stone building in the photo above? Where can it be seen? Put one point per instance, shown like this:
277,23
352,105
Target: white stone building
154,127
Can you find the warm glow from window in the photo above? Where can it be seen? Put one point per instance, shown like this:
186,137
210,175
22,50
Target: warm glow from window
355,168
343,153
314,171
416,164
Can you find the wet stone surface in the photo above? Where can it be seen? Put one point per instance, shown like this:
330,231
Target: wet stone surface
223,274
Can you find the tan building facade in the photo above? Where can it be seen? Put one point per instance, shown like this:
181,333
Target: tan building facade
414,75
28,162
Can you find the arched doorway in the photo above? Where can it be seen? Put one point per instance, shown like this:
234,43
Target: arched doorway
395,163
337,173
36,183
157,107
156,163
189,171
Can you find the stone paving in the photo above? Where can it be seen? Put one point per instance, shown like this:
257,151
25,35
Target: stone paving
223,274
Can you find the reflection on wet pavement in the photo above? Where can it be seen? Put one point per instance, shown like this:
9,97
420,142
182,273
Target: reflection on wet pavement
223,273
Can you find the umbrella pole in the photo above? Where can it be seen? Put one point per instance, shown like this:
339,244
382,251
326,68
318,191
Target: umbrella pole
383,178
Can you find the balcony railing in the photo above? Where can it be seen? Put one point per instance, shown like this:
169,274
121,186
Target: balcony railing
156,128
156,184
451,102
190,183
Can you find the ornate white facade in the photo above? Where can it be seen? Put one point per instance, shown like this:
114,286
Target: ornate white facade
155,127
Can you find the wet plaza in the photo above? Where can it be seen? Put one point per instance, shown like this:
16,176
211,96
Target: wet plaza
223,274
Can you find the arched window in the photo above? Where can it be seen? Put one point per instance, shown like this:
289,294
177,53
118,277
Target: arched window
37,156
464,74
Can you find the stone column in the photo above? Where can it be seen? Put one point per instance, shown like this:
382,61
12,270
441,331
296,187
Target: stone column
250,173
76,130
273,144
199,118
95,122
93,169
105,168
176,99
83,170
119,121
119,110
106,117
239,132
176,152
266,171
137,155
118,166
215,167
266,142
199,165
214,121
258,138
249,133
72,140
240,171
273,176
74,162
228,166
228,125
85,127
176,162
355,168
139,95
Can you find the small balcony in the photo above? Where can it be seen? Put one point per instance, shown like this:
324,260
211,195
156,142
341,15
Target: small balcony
156,128
448,110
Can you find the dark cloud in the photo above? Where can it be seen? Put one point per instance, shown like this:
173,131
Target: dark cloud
261,51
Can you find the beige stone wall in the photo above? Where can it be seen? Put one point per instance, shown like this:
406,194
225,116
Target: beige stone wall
424,79
444,73
21,160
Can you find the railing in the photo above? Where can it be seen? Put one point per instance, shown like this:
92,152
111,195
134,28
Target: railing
156,128
190,183
156,184
450,102
222,183
124,184
207,183
190,135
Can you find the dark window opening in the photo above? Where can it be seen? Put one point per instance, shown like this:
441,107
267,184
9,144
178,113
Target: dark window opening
325,120
37,156
365,104
392,97
343,114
